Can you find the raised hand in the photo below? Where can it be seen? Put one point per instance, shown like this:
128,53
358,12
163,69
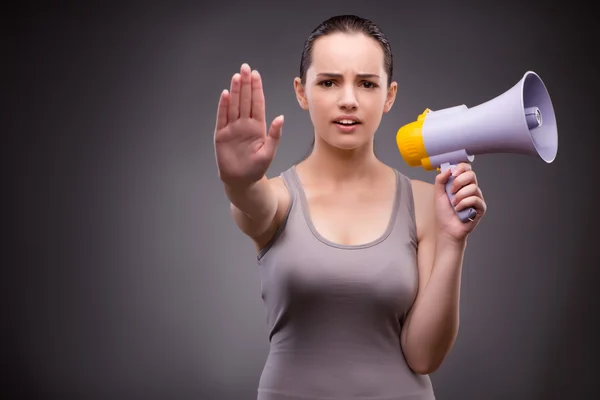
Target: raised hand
243,148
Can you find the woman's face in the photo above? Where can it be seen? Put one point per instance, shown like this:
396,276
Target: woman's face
346,89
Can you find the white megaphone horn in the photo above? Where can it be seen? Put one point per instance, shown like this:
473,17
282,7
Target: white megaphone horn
520,120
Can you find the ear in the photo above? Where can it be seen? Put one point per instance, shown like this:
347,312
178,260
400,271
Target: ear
300,94
390,97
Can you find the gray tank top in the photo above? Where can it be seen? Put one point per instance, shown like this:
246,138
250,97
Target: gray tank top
335,312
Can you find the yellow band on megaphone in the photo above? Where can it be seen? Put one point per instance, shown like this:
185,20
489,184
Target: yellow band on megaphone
411,144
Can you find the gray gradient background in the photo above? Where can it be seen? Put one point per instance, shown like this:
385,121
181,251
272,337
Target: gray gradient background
125,276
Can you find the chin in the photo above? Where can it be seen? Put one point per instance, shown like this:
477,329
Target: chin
346,141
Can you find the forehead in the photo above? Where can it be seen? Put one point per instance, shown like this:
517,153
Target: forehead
342,52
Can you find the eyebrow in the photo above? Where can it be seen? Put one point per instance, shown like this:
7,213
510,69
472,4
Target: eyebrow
332,75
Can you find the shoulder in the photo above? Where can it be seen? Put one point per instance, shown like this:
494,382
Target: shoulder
283,193
423,197
422,191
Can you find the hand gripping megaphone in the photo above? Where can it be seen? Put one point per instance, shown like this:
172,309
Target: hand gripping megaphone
520,120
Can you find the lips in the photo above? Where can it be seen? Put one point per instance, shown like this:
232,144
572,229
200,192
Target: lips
346,120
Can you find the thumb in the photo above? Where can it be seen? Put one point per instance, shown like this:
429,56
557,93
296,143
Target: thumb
274,135
440,182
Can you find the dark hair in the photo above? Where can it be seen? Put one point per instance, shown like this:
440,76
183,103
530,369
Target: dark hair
346,24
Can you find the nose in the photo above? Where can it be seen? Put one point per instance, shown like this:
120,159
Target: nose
347,99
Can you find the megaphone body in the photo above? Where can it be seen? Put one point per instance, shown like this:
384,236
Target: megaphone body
520,121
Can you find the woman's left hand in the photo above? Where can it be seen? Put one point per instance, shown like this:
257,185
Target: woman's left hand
466,194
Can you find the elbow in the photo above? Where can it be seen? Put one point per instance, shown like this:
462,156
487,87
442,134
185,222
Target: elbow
425,357
424,368
426,362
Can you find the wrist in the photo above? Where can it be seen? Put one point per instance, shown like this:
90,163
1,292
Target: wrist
240,186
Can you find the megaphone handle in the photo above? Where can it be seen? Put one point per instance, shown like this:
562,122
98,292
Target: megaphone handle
468,214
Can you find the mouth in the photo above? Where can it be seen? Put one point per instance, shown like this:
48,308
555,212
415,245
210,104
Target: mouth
347,121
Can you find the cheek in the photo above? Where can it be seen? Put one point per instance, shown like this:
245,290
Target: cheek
371,106
372,100
319,107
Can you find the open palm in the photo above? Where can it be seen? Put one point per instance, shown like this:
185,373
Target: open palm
243,148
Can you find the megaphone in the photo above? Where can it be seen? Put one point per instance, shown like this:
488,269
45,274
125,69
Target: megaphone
520,120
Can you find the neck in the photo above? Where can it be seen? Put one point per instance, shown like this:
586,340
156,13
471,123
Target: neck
340,165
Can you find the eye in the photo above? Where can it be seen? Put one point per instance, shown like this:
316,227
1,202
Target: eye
369,85
326,83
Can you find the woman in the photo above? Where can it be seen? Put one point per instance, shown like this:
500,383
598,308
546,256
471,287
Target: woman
360,267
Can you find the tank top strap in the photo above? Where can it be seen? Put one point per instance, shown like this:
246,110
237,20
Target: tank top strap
405,212
290,182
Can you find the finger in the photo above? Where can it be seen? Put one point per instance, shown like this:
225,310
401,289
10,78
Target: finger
222,110
234,98
466,191
443,176
245,91
465,178
460,168
472,201
274,135
440,181
258,97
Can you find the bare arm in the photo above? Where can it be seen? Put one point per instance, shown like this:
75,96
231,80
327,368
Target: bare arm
253,207
244,150
432,324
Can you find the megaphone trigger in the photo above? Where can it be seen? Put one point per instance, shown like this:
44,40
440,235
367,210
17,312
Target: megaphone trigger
467,214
